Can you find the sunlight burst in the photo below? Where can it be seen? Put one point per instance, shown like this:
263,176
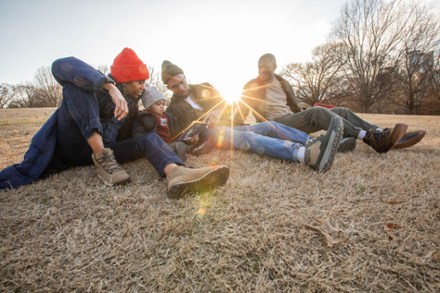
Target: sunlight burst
230,93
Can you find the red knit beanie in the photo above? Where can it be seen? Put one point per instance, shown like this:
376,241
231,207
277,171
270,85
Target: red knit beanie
128,67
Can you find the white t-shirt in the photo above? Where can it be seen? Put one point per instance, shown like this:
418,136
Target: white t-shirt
193,104
276,98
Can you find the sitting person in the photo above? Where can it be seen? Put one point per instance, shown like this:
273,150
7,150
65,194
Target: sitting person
270,97
202,102
93,125
165,124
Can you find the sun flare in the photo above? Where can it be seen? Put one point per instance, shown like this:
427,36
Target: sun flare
230,93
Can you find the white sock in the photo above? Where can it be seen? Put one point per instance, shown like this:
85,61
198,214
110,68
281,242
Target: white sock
301,154
362,134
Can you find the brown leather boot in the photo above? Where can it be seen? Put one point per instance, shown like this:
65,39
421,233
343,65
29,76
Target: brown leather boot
382,140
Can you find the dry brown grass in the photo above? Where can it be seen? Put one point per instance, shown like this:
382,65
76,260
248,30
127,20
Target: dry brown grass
71,233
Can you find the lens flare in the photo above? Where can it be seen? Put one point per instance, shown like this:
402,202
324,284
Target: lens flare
231,93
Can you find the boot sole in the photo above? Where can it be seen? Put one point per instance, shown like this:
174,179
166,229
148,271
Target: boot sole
107,183
409,139
332,148
215,178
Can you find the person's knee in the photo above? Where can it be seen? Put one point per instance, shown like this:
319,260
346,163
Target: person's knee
341,111
146,137
146,142
268,126
317,112
271,124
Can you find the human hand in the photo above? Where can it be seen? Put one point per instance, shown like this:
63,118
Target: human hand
121,107
211,119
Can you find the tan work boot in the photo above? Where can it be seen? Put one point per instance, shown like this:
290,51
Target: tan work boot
108,168
182,180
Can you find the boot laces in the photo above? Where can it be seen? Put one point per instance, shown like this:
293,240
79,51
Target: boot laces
109,163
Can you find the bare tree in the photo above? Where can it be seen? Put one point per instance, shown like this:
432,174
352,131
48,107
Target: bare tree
371,30
25,96
104,69
434,79
314,81
6,95
49,90
418,45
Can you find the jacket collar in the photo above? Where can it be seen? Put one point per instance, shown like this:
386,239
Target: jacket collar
260,82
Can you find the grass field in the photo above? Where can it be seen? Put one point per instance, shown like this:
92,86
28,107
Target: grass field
371,224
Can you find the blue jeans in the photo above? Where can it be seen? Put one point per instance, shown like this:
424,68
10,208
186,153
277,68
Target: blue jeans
79,117
266,138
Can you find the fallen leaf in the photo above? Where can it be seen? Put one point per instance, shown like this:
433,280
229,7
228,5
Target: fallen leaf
331,235
389,227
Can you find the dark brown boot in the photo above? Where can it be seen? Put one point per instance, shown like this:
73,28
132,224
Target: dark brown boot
382,140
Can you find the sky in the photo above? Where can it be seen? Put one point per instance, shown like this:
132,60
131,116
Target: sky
216,41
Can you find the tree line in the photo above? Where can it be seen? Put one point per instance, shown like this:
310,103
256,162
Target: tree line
382,56
45,91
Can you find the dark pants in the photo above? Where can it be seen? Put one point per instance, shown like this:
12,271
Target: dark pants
317,118
78,119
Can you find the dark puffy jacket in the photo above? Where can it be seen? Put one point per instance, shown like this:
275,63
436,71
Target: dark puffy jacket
147,122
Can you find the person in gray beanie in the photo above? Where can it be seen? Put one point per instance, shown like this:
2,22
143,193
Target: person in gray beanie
192,103
154,118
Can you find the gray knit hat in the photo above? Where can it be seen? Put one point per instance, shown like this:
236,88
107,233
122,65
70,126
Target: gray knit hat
150,96
169,70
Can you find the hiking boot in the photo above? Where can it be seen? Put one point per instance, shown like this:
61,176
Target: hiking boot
409,139
202,148
321,150
382,140
182,180
108,168
347,144
180,148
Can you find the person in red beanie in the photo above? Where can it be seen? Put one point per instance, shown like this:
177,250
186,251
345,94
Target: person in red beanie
94,125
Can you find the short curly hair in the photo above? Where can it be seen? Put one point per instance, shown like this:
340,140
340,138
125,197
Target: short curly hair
267,57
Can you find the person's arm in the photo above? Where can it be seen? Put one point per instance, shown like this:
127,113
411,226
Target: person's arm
121,107
291,100
211,99
213,117
182,119
143,123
